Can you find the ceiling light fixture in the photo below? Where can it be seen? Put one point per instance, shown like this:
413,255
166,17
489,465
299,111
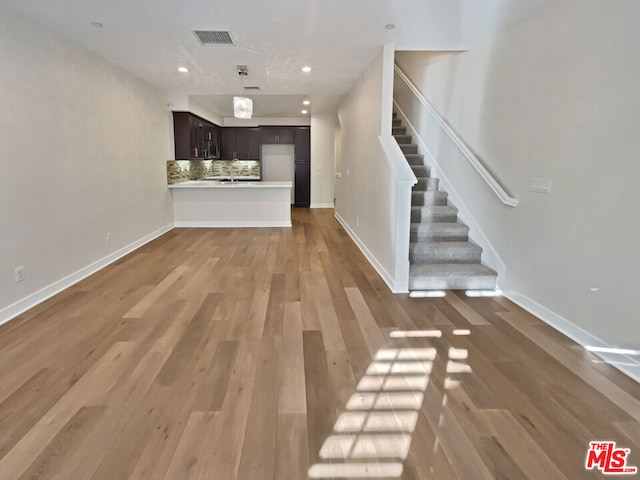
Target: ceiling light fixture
306,69
389,26
97,24
242,106
304,112
306,102
183,69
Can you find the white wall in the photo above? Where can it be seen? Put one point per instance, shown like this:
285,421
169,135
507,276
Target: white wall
322,159
365,196
554,96
84,147
204,112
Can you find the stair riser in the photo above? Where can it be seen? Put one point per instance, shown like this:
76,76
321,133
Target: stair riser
426,184
402,139
409,148
420,171
439,237
445,256
396,122
419,199
435,283
418,216
419,160
398,130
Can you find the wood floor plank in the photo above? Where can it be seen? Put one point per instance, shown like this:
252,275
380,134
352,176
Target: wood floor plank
69,438
292,395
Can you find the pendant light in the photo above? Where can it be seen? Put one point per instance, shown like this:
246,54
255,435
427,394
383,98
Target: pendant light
242,106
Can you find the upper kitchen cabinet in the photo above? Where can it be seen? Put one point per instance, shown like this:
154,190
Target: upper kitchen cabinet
302,143
195,137
271,135
241,143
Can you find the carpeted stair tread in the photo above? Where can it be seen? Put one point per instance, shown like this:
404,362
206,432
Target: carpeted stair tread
420,170
426,184
415,158
430,197
402,139
409,148
460,276
434,213
444,252
439,232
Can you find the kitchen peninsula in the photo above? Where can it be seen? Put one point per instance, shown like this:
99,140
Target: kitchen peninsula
210,203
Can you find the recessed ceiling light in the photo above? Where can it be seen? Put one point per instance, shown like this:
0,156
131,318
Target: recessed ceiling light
306,69
389,26
183,69
97,24
304,112
306,102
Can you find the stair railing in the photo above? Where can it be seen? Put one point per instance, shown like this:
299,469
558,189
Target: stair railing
466,152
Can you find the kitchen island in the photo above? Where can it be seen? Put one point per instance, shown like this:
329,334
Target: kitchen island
206,203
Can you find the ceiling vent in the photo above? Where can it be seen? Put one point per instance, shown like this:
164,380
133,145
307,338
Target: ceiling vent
213,37
255,89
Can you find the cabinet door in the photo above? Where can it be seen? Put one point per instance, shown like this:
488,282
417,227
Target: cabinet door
302,144
269,135
227,143
285,136
182,135
302,192
254,143
201,151
242,143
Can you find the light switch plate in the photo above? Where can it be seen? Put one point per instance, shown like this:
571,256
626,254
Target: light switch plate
540,185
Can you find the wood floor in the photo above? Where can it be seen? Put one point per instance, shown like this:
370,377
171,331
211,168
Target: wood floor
262,354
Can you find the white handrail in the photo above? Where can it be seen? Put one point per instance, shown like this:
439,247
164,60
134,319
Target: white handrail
468,154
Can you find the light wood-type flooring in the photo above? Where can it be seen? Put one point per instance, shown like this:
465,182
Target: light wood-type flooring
261,354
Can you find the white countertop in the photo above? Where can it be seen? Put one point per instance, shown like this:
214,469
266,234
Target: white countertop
243,184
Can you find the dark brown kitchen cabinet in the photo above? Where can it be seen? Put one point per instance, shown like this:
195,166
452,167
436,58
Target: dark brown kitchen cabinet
302,193
240,142
302,143
195,137
302,172
271,135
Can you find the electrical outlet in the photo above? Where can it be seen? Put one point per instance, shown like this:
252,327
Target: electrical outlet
109,237
19,274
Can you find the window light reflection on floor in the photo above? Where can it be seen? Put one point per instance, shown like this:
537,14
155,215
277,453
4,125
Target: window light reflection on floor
372,437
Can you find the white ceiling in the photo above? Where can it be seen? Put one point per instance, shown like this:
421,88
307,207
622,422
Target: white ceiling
274,38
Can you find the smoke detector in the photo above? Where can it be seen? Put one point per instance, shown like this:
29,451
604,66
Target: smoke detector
242,70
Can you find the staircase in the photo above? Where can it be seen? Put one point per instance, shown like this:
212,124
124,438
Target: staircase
440,254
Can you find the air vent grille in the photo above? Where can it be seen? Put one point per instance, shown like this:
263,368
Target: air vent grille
213,37
252,88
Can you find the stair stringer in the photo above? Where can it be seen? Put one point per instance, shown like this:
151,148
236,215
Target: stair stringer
490,256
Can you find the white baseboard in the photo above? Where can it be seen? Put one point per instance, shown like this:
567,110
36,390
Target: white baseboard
388,279
231,224
321,205
56,287
626,364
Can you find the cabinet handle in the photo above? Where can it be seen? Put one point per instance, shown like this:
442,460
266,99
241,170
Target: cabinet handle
196,149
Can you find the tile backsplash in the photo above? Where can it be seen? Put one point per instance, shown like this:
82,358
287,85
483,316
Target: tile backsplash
179,171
